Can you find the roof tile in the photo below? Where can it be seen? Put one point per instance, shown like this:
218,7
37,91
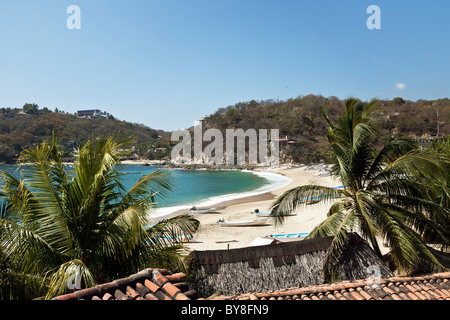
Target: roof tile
69,296
420,295
131,293
446,293
143,290
119,295
161,284
365,295
151,286
82,294
159,279
171,289
395,297
330,296
108,287
148,284
176,278
107,296
427,295
412,296
355,295
253,297
123,281
191,294
266,295
424,287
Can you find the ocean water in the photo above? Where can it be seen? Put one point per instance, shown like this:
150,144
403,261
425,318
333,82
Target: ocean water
202,188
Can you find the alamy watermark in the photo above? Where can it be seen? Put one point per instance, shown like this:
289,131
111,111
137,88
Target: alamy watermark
74,280
261,150
73,22
374,276
374,21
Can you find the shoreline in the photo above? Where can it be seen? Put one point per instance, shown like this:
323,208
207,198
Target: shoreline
211,236
220,202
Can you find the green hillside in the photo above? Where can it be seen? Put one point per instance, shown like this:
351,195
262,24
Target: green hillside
299,120
24,128
303,128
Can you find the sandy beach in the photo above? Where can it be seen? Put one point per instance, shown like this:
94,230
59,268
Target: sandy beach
212,236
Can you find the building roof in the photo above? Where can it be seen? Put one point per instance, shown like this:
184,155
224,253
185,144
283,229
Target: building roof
89,110
282,265
148,284
260,273
425,287
160,284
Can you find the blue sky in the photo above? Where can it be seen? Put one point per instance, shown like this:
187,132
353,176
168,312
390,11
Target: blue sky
166,63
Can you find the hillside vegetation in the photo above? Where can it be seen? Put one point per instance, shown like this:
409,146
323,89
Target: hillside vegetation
300,121
301,126
25,128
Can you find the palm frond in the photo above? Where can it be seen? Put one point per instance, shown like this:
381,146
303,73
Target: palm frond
338,245
6,210
29,251
19,285
388,154
368,205
407,249
339,206
147,190
70,275
173,231
430,225
46,176
292,198
420,164
329,226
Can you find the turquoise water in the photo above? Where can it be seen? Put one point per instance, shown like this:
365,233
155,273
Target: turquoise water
203,187
193,187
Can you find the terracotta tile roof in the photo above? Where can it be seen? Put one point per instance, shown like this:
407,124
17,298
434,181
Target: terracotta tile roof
148,284
426,287
161,284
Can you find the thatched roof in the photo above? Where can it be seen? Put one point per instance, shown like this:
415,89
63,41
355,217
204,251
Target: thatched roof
284,265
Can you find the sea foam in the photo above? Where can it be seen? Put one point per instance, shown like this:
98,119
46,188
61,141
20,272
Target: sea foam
276,181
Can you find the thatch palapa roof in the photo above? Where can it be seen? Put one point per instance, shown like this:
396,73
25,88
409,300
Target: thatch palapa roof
284,265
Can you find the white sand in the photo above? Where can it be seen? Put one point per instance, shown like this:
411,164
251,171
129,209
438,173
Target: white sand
210,233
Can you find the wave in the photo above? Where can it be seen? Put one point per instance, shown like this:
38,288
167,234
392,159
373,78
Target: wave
275,181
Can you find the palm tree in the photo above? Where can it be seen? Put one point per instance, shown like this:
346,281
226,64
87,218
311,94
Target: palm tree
442,187
442,148
58,223
386,194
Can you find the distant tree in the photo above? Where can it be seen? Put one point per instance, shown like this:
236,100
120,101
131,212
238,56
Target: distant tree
398,101
30,108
